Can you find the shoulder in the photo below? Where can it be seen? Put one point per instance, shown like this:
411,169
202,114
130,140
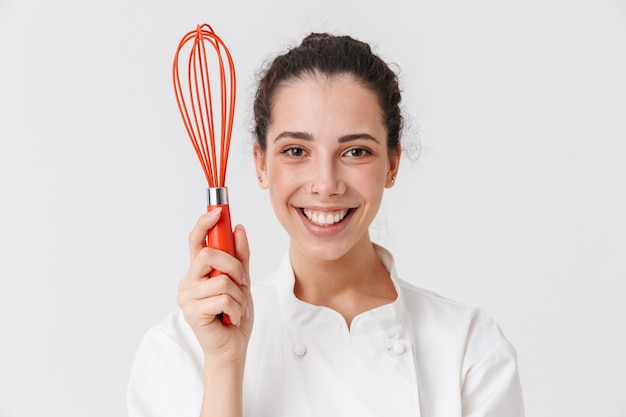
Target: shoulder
456,314
471,328
427,301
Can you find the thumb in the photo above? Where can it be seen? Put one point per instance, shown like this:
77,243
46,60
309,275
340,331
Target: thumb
197,237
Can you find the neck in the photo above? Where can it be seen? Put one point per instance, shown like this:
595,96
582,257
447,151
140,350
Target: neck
350,284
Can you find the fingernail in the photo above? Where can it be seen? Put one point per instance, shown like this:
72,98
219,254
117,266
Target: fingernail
246,313
245,280
214,212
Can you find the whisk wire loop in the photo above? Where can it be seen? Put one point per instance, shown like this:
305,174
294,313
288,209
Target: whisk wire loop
196,102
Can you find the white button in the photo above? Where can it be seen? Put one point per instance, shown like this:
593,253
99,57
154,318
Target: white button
398,348
299,350
395,347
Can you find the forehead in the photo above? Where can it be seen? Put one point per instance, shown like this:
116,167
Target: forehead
338,98
321,79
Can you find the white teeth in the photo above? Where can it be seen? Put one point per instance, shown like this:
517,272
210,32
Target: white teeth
325,218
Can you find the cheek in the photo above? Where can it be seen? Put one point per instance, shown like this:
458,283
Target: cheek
278,176
282,183
371,181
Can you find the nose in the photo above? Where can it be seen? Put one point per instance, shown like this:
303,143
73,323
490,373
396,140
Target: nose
326,178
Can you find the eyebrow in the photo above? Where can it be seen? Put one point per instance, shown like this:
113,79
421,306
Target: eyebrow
308,137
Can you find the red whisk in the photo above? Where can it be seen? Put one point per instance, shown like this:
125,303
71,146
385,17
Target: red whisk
197,103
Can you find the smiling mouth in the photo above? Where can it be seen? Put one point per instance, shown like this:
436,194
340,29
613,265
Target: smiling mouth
325,218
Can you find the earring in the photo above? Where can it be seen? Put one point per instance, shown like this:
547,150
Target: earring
393,179
312,185
259,178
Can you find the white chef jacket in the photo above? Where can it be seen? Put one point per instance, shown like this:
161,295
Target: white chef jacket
421,355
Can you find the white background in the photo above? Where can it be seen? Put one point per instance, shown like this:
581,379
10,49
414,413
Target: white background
516,204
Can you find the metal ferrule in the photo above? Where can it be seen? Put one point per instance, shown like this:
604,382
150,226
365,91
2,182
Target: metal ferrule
217,196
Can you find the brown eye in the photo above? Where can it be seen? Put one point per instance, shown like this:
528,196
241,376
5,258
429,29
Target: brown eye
357,152
294,151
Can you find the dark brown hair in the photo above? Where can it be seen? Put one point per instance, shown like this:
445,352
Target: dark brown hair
330,55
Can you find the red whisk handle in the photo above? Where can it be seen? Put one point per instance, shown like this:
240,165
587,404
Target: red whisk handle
221,235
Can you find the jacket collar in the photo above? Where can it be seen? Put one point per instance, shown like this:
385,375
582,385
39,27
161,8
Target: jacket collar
385,321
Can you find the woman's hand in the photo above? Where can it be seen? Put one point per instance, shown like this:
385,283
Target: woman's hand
202,299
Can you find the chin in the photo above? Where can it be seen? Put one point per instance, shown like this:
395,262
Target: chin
324,251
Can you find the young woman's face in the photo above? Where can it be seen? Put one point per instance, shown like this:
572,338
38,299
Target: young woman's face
326,164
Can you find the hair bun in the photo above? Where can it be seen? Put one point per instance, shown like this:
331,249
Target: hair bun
313,36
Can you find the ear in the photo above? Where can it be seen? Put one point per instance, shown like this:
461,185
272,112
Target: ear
259,164
394,165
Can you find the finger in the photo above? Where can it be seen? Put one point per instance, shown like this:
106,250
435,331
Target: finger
204,262
214,287
198,270
197,237
209,259
242,251
199,313
219,287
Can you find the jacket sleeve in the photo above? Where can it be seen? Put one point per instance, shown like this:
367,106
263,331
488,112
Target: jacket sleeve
165,380
491,386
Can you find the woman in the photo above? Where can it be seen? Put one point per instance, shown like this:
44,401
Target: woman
336,332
